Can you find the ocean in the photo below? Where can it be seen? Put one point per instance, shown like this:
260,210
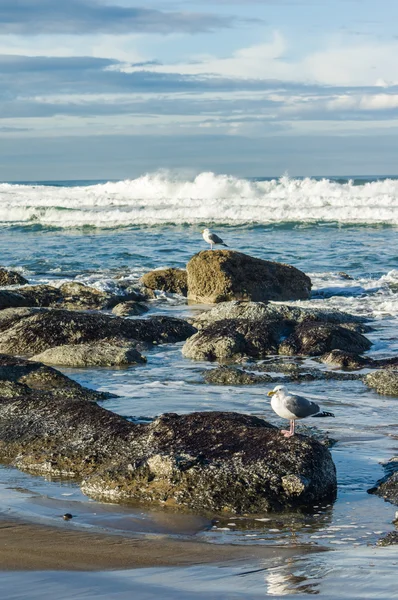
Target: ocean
342,232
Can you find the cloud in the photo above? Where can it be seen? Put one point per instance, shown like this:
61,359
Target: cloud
80,17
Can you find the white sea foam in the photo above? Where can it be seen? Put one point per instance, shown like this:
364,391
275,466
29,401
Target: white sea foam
160,198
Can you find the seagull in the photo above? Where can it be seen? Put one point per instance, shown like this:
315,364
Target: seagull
212,238
292,407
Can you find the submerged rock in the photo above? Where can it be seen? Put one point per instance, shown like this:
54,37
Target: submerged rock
233,376
387,487
222,275
91,355
314,339
11,278
19,377
174,281
384,382
232,339
49,328
130,309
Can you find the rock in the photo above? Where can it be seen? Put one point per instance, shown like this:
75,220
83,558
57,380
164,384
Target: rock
314,339
11,316
11,278
222,275
233,376
344,360
129,309
19,377
212,461
387,487
232,339
170,280
384,382
77,296
259,311
53,327
11,299
91,355
40,295
390,539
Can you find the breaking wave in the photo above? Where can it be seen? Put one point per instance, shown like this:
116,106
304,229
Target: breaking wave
159,198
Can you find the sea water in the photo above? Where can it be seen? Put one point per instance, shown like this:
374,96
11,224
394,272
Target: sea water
342,233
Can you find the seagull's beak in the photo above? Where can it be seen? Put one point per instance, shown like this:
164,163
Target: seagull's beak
271,393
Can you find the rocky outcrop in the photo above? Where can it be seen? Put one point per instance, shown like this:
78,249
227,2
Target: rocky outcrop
91,355
77,296
49,328
234,376
315,339
20,377
174,281
232,339
40,295
344,360
387,487
130,309
213,461
384,382
222,275
260,311
11,278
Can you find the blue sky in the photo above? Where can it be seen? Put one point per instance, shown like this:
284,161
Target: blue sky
93,89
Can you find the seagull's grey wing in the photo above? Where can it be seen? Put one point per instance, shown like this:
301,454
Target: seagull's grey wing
215,239
300,406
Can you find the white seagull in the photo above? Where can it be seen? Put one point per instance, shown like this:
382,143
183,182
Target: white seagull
292,407
212,239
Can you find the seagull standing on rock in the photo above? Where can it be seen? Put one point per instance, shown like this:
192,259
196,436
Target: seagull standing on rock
292,407
212,239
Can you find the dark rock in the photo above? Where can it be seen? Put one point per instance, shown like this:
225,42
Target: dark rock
11,278
91,355
384,382
130,309
47,329
11,316
233,376
19,377
222,275
232,339
170,280
344,360
387,487
77,296
314,339
40,295
11,300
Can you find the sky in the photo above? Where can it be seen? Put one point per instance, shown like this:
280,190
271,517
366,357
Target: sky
95,89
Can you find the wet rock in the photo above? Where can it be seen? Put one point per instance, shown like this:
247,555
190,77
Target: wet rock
345,275
19,377
344,360
11,316
260,311
50,328
11,278
234,376
387,487
11,299
91,355
314,339
40,295
232,339
391,539
222,275
174,281
223,462
130,309
384,382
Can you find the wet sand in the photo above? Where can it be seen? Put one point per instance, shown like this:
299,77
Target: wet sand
26,546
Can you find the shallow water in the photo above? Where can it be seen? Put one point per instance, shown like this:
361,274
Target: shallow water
365,427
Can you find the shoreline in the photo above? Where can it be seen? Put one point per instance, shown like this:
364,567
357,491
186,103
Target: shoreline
31,547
